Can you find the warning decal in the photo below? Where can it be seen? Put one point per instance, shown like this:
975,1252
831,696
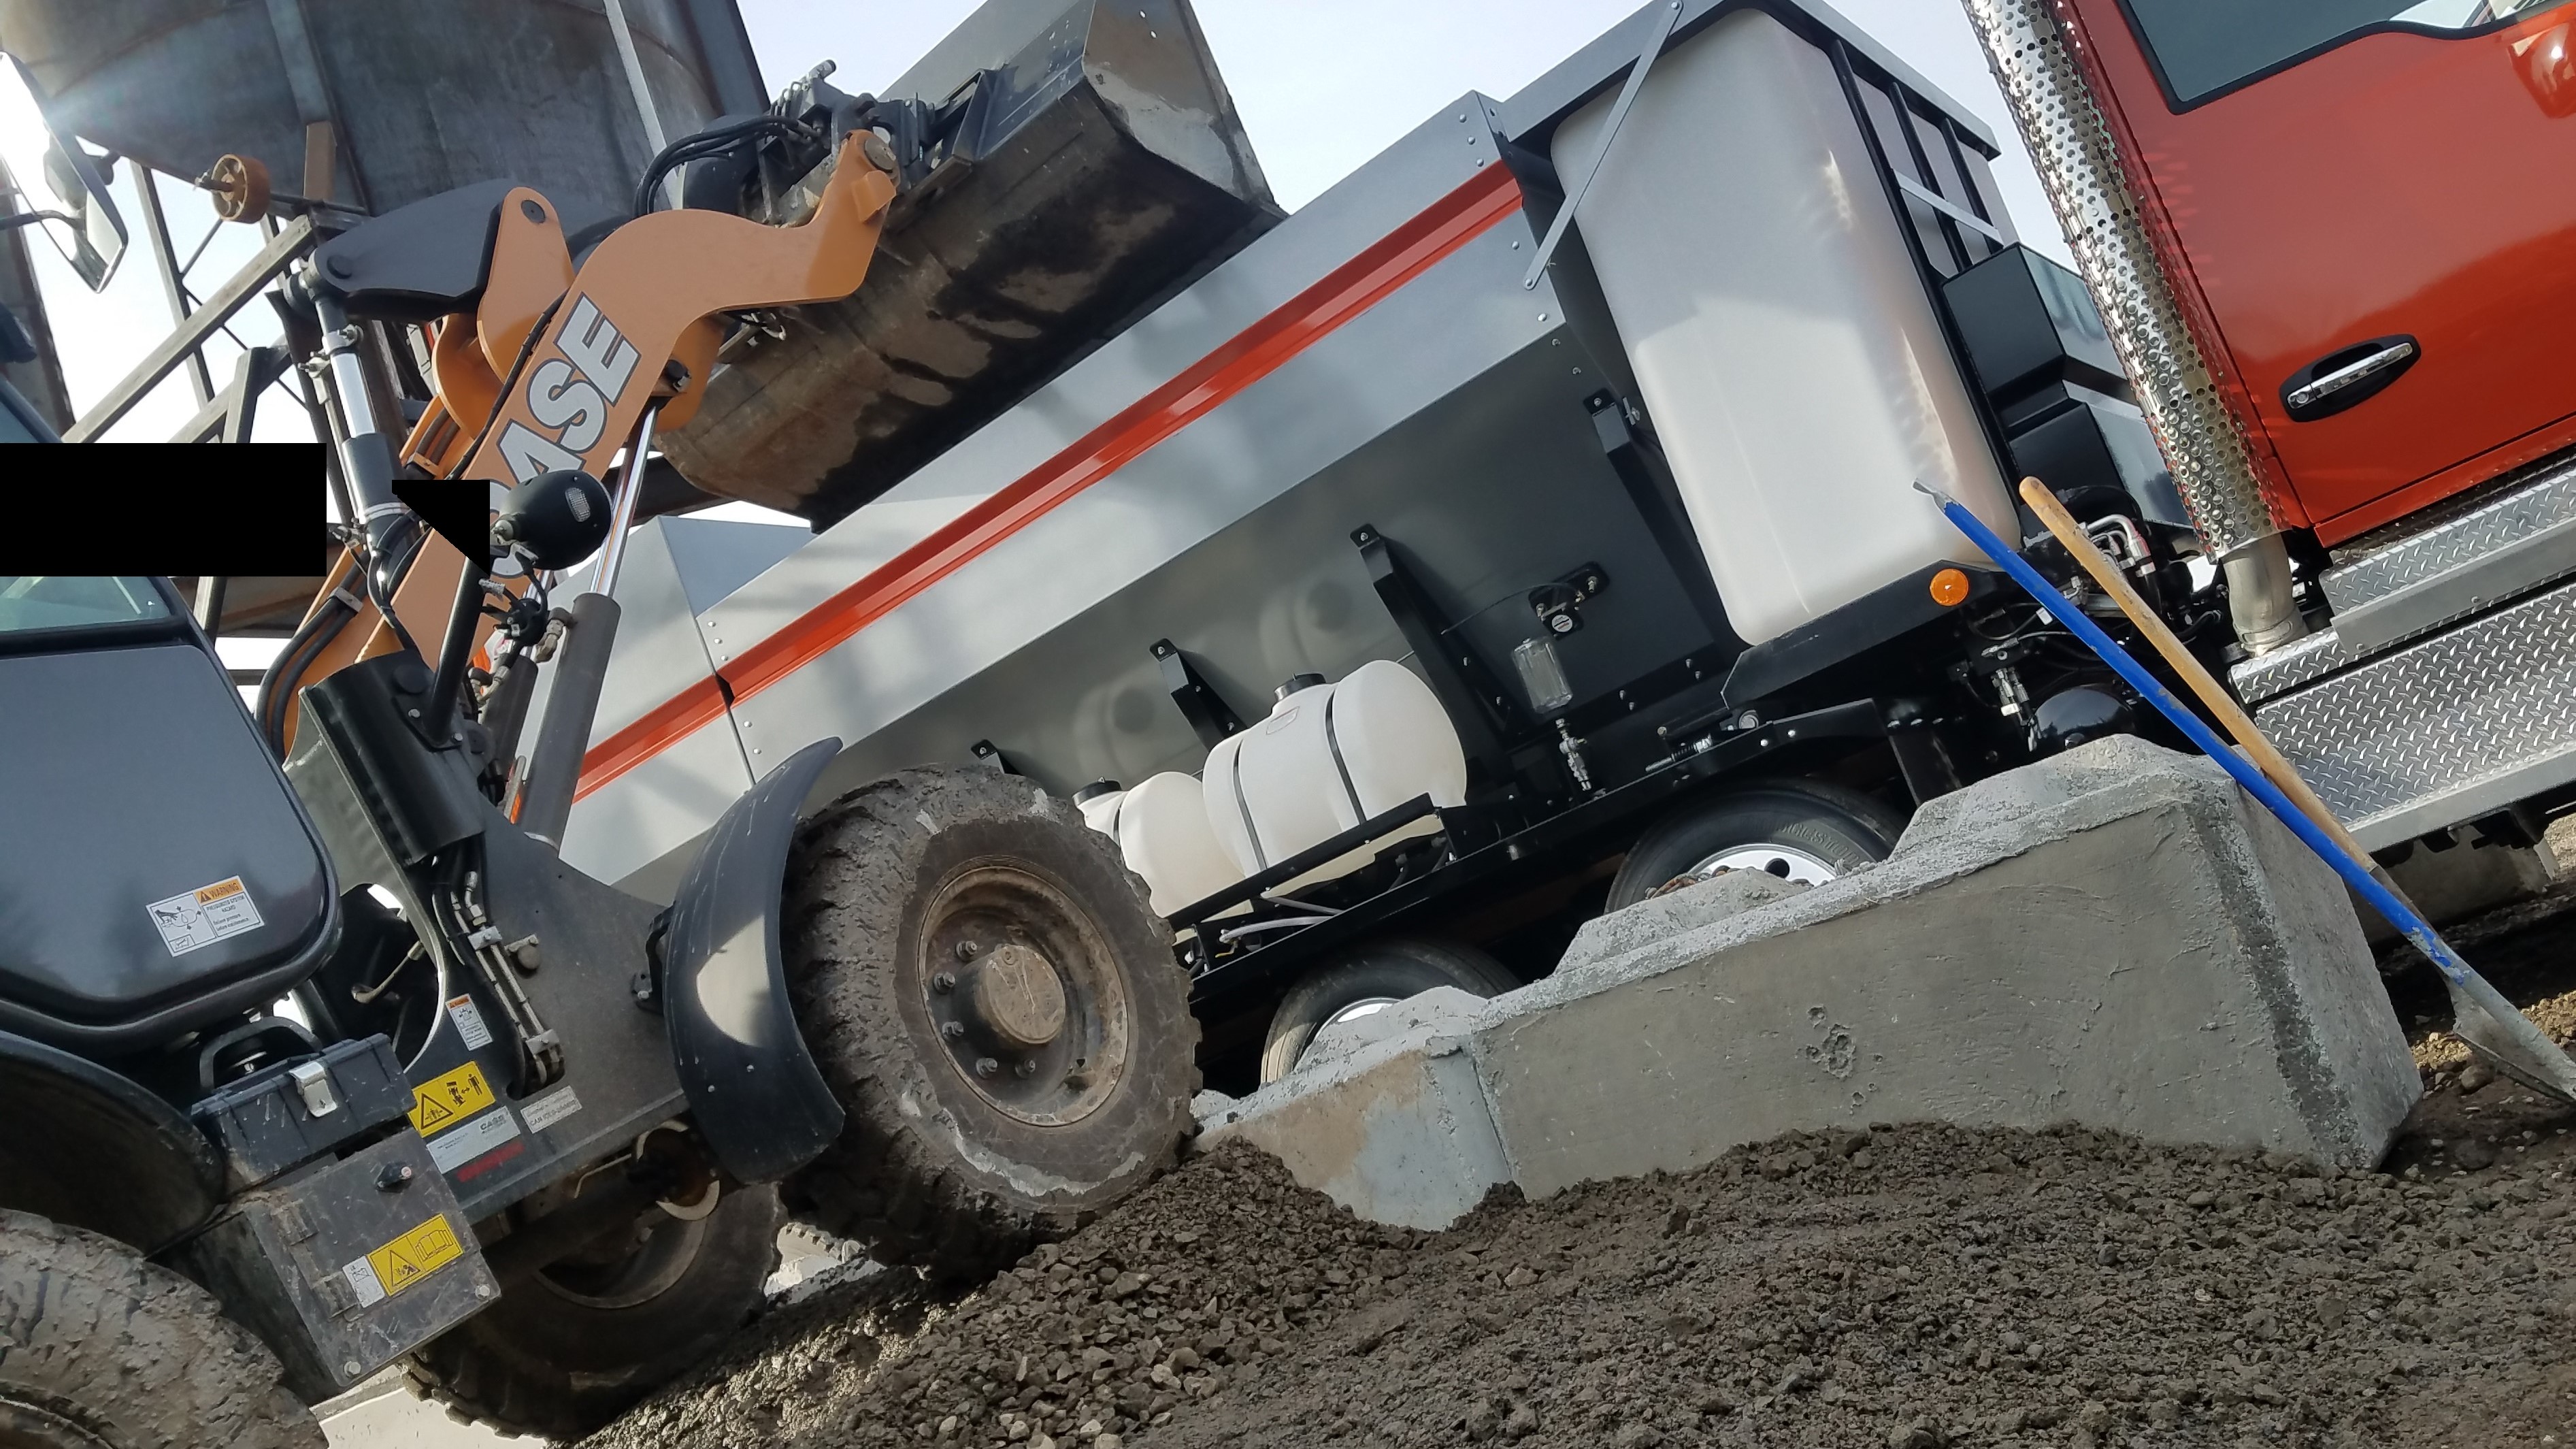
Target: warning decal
404,1261
201,917
469,1022
444,1101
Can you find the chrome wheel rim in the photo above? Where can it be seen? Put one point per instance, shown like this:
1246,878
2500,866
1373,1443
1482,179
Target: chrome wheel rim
1787,862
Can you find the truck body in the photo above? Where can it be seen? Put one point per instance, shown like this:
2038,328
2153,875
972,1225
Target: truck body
1363,437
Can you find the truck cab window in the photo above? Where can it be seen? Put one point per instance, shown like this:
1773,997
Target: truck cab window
2203,47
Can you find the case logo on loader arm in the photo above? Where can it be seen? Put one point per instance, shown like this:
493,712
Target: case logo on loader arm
671,278
572,395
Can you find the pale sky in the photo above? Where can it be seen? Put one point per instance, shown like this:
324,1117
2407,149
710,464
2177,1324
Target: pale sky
1322,85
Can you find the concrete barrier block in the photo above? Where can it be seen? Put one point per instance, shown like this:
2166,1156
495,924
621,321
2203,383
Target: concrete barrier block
1661,918
1384,1114
2116,937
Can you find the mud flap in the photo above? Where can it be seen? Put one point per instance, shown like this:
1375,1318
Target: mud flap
752,1085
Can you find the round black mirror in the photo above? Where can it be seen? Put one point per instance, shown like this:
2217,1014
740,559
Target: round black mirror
554,520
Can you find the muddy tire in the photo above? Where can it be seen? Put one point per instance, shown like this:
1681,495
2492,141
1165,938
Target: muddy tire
997,1008
102,1350
1802,829
581,1341
1370,974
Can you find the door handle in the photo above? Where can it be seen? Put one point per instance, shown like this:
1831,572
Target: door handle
2347,378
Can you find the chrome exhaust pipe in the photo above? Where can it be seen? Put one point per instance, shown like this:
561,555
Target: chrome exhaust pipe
2078,160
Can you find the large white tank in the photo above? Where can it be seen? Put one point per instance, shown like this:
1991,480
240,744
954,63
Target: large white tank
1329,757
1796,372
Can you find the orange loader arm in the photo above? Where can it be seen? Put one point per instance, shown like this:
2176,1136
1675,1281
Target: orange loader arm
583,355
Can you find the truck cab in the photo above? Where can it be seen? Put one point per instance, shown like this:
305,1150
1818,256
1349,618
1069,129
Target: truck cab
2360,211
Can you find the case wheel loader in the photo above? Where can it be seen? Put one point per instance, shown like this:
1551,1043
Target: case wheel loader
315,1055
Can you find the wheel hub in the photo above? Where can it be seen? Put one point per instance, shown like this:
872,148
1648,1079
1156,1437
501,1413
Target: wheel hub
1787,862
1022,992
1018,997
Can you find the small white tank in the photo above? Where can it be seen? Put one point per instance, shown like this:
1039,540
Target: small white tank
1328,757
1162,832
1797,373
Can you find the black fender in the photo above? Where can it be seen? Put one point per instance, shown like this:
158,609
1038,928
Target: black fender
92,1149
752,1085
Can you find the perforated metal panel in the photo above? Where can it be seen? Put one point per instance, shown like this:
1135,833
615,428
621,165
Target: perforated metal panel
2079,164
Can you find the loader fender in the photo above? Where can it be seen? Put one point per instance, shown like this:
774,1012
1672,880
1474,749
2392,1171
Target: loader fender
91,1149
753,1086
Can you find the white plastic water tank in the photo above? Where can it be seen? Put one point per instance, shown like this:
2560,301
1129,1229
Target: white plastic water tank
1162,832
1329,757
1796,372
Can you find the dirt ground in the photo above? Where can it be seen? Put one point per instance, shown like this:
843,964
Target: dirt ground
1909,1288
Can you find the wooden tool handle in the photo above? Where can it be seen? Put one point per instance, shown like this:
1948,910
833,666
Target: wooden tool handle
2275,766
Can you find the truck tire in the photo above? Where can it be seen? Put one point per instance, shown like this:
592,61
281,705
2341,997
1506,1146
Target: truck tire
1375,974
997,1008
581,1341
1800,829
102,1350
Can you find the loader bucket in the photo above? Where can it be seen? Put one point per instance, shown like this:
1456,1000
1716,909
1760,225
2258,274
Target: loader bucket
1105,169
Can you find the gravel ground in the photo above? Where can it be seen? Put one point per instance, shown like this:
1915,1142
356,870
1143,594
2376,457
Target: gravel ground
1909,1288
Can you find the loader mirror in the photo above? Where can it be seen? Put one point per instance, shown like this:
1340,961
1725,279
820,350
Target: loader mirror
53,181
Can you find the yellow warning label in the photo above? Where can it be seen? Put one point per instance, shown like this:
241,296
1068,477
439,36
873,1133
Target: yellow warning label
442,1102
220,890
415,1255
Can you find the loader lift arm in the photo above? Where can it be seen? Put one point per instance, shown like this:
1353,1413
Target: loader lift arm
577,357
584,353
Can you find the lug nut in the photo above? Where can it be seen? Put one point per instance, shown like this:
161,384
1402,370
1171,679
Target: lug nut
943,983
953,1030
967,950
1024,1069
987,1067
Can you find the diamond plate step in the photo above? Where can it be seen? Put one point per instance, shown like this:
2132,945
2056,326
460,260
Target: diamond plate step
2503,547
2444,730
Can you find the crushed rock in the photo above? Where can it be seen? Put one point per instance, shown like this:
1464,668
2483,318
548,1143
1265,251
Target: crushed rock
1917,1288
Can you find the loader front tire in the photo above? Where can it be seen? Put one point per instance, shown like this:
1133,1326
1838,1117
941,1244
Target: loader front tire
997,1008
102,1350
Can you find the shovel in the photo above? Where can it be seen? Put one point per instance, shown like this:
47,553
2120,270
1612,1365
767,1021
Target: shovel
2481,1016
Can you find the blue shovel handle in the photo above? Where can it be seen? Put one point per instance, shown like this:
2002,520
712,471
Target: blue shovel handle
2354,872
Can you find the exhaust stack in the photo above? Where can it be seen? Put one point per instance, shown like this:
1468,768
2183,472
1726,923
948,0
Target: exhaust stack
2079,163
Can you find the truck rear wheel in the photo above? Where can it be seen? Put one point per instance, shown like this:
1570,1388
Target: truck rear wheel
582,1340
102,1350
1371,977
997,1008
1804,830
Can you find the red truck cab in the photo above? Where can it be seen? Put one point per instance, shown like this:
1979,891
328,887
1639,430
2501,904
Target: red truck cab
2371,204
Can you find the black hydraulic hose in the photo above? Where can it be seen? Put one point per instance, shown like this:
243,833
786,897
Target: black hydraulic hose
714,141
331,614
457,649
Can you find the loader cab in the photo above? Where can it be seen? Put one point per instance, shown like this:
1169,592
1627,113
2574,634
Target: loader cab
158,877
